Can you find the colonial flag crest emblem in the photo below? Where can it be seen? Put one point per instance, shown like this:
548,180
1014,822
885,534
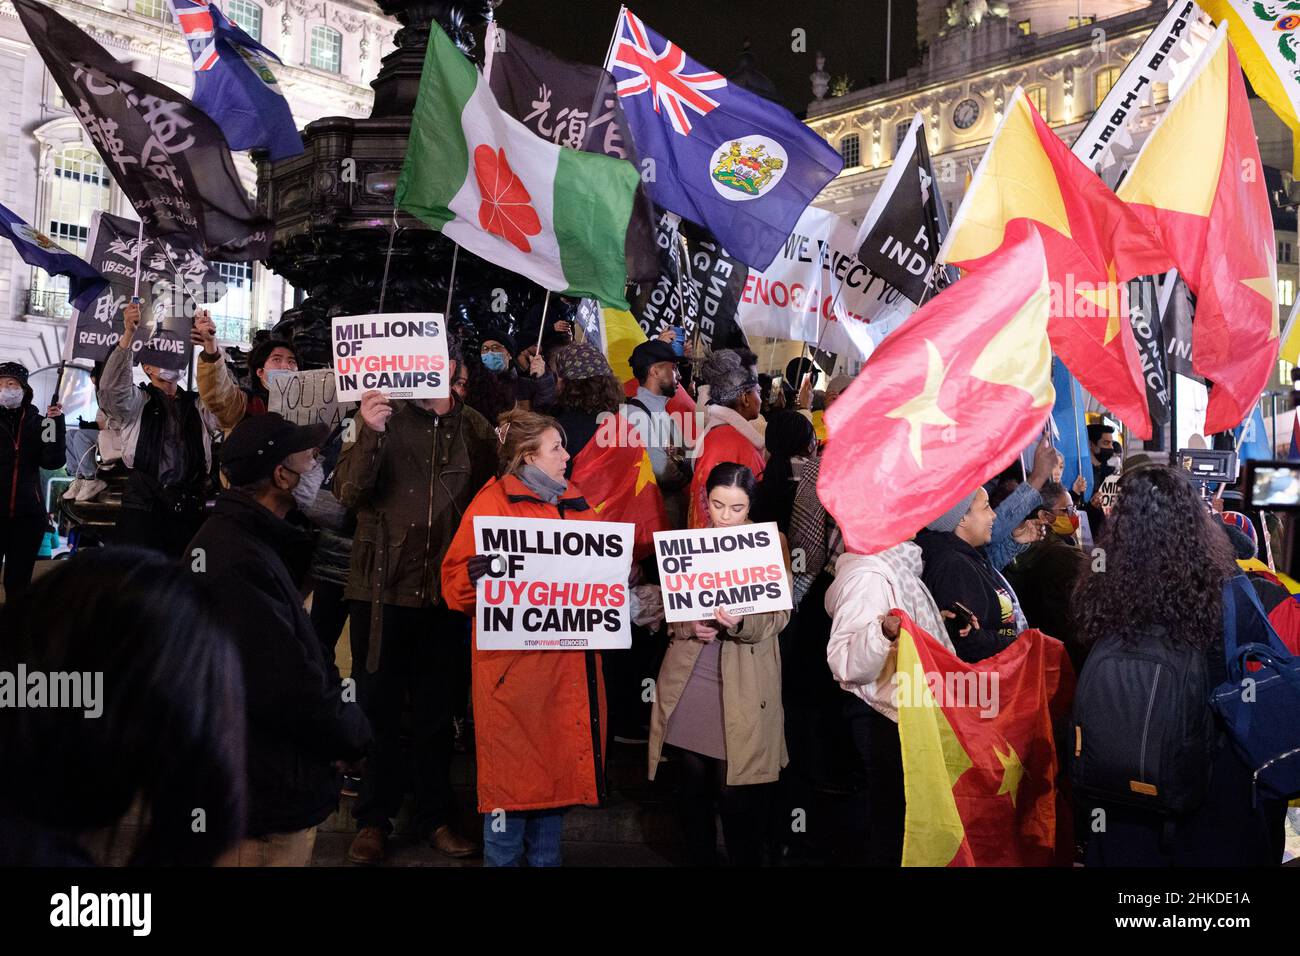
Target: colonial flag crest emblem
748,167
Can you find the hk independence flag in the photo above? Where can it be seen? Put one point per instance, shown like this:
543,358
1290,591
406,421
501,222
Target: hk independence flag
575,105
1093,243
716,154
233,83
85,282
979,757
552,214
165,153
1199,184
945,402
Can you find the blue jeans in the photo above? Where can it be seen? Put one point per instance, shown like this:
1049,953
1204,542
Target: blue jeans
80,452
535,833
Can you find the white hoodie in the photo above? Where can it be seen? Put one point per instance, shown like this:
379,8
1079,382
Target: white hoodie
866,587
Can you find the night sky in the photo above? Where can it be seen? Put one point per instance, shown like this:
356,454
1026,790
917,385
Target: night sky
850,32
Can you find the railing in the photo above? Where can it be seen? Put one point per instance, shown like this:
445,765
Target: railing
49,303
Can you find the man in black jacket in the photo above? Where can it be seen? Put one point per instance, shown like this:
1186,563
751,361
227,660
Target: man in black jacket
961,579
299,724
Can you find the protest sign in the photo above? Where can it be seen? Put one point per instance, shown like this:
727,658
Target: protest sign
553,585
403,355
740,570
305,398
1109,492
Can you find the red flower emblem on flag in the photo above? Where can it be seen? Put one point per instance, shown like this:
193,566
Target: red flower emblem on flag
506,210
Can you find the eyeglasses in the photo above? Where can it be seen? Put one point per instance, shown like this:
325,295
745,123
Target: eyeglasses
495,347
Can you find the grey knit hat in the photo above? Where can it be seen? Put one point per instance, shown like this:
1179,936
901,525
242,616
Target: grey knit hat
727,377
949,520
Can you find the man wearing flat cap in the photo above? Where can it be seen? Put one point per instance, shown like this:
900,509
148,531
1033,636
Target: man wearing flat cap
254,562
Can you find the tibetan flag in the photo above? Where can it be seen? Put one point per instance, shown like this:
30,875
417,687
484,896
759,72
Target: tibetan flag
618,481
1266,37
1093,246
552,214
1199,184
945,402
979,757
233,83
721,156
85,282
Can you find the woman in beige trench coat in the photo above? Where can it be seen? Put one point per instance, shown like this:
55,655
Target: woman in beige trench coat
718,706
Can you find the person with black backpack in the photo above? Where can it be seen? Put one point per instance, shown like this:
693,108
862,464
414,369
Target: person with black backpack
1156,779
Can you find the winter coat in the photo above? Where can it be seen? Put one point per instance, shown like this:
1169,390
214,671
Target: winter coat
866,587
539,716
409,486
23,453
222,395
298,722
727,436
1044,577
955,572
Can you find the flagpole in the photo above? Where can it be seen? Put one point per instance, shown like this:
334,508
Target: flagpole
618,29
491,40
388,258
451,283
541,329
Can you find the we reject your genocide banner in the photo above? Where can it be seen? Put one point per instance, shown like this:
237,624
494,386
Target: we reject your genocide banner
554,585
741,570
403,355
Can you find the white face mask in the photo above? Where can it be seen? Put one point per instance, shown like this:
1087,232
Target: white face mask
169,374
309,482
11,397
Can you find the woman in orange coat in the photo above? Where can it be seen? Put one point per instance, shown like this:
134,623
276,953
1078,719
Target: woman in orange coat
539,715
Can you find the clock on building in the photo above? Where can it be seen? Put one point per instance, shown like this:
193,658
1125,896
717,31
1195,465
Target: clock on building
966,114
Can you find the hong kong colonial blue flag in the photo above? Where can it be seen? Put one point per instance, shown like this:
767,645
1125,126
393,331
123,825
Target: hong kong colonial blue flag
85,282
723,157
233,83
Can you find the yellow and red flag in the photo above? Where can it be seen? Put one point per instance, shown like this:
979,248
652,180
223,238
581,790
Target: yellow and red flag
947,401
614,474
1093,245
622,334
979,756
1198,182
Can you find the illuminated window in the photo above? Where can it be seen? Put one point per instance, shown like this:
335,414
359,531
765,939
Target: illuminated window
79,186
1159,92
233,315
1285,291
326,49
1103,81
1038,96
1023,26
246,14
1075,22
153,9
851,150
900,133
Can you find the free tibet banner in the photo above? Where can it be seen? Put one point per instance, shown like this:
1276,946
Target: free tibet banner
741,570
403,355
554,585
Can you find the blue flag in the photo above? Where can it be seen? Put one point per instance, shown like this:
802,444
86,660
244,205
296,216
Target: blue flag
1252,439
85,283
233,84
1072,426
727,159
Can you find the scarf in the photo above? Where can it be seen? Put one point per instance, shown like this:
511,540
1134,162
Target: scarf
541,484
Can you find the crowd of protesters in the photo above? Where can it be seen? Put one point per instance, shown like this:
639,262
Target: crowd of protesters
258,566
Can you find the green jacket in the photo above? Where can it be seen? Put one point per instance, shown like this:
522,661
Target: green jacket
409,486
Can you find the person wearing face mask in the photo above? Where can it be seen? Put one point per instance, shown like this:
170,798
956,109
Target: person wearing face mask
718,705
217,387
29,441
166,447
540,716
408,476
1044,575
729,432
534,385
255,562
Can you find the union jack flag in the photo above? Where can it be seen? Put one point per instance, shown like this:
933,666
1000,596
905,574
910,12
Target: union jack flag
661,74
195,21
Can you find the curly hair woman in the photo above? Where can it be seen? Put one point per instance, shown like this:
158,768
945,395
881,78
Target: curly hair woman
1166,563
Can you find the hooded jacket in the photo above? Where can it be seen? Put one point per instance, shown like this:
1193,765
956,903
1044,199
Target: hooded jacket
1044,576
957,572
727,436
23,453
867,587
298,722
539,716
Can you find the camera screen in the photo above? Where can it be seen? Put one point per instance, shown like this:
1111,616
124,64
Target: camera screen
1275,487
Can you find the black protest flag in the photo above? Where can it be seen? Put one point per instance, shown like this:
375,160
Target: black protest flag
166,154
669,300
555,99
906,222
717,281
1144,316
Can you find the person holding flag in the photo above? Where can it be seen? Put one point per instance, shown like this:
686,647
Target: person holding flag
28,443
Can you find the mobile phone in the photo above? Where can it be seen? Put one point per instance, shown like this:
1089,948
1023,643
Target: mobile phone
962,618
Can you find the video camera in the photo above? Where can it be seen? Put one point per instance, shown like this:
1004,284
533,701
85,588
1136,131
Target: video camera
1207,466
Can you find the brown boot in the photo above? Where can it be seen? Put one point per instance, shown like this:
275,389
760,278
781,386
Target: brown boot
448,841
368,847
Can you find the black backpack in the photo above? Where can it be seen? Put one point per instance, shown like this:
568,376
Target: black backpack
1143,733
